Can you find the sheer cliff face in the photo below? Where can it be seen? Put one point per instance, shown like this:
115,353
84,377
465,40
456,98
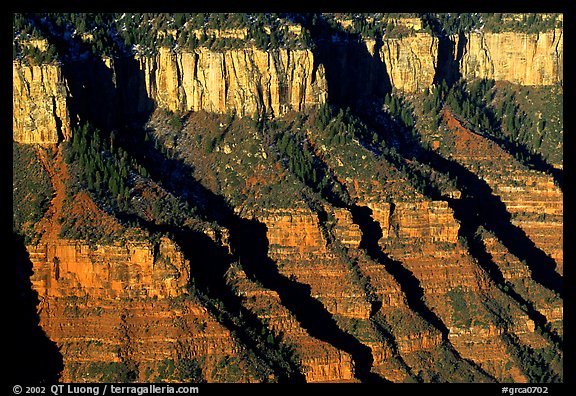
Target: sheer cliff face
250,81
411,61
110,296
521,58
39,104
527,59
246,82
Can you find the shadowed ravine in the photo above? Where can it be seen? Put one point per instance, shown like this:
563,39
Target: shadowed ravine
410,285
479,207
209,263
33,357
249,246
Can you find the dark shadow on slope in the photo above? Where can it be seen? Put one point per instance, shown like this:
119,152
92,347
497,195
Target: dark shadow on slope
248,237
352,72
480,207
91,84
109,98
410,285
209,263
518,150
33,357
469,223
447,68
249,245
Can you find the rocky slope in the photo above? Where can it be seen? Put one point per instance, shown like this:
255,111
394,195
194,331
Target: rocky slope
532,201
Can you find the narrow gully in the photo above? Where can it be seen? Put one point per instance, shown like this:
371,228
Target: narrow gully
409,284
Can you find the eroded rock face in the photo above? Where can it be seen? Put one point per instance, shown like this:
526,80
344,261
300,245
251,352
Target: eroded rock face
416,220
71,268
521,58
246,81
300,249
112,307
250,81
411,61
39,104
321,362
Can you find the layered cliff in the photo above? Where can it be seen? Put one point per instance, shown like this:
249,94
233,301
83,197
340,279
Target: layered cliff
246,81
39,104
70,268
414,62
110,296
321,362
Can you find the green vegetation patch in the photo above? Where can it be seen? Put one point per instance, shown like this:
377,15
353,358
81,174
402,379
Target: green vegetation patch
527,122
84,35
31,190
524,23
105,371
460,311
533,116
456,23
180,370
542,365
404,322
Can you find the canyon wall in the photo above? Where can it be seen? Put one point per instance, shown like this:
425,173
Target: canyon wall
39,104
109,296
124,313
389,289
411,61
69,268
250,81
246,81
521,58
